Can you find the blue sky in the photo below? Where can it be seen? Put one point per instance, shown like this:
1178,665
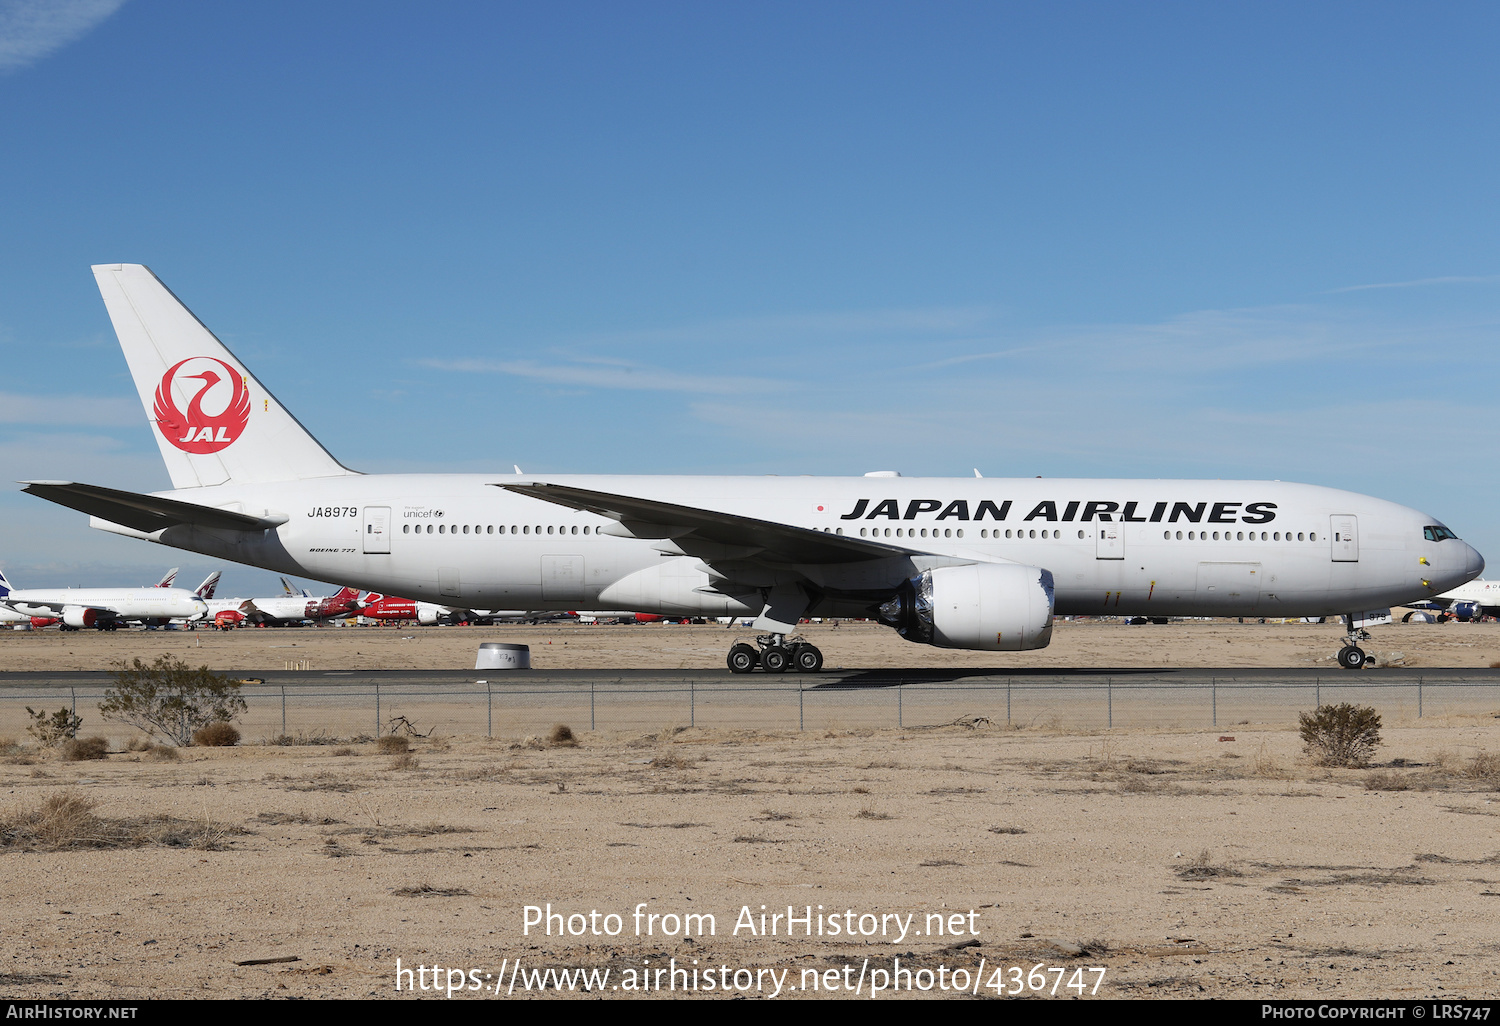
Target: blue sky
1139,240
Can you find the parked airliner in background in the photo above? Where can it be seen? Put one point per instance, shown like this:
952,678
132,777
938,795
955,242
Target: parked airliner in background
103,608
976,563
1467,602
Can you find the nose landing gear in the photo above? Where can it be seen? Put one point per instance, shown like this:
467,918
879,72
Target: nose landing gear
775,653
1351,656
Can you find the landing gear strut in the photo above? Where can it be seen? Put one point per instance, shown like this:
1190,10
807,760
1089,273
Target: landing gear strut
1351,656
775,653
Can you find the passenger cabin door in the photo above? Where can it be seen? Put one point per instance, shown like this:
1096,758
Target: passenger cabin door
1343,530
377,529
1109,541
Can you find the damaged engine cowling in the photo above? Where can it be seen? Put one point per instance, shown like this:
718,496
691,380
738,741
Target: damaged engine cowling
997,607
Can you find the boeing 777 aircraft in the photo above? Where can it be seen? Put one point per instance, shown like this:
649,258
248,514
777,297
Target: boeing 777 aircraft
975,563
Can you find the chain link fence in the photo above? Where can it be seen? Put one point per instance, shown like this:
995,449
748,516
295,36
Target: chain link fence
307,711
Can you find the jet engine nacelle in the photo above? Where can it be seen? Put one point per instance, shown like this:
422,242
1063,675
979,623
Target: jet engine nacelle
995,607
1466,611
428,614
79,616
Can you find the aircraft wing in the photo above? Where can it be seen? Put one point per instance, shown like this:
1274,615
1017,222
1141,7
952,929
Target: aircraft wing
58,607
145,513
759,539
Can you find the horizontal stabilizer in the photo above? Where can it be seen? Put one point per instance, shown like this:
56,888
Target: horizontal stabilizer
146,513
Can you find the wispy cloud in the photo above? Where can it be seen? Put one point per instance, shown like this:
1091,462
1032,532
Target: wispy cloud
607,373
33,29
1468,279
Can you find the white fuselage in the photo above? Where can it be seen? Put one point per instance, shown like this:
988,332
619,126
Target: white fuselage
75,605
1139,547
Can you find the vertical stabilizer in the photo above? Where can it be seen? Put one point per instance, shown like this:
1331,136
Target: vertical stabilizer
213,421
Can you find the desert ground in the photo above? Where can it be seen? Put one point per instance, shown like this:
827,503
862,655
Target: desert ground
1182,863
1083,643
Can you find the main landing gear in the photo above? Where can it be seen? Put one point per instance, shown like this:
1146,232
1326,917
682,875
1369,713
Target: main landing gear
776,654
1351,656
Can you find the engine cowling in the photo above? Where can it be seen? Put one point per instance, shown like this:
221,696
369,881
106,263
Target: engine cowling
79,616
1466,611
994,607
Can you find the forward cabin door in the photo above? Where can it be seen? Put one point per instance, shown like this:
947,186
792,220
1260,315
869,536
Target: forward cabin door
1109,541
1343,530
377,531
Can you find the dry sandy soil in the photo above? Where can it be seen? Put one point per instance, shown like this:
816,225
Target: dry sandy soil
1099,643
1183,863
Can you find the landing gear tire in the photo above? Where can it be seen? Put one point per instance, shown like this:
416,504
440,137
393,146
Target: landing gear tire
743,659
775,659
1351,657
807,659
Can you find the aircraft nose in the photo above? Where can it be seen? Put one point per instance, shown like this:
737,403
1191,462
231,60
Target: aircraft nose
1474,562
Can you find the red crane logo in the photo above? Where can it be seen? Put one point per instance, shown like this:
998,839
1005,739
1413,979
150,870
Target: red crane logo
198,432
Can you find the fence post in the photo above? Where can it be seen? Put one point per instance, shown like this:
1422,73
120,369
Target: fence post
1419,698
1109,697
73,693
1007,701
692,703
799,707
1317,693
377,708
592,685
489,710
900,715
1214,687
283,710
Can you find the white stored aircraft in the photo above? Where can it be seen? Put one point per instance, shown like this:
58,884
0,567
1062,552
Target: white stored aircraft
1466,602
975,563
103,608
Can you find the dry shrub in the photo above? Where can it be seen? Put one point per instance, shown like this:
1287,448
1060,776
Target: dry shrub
404,761
1341,735
424,890
1265,764
562,736
1485,768
85,749
139,743
67,820
342,751
391,744
671,760
160,753
872,814
1385,780
1203,868
218,734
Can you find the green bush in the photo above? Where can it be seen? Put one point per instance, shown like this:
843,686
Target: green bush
170,699
1341,735
54,729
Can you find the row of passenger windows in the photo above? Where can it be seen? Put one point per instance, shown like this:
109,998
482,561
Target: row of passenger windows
865,532
1243,536
490,529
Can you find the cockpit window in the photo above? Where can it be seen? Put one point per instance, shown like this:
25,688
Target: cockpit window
1437,532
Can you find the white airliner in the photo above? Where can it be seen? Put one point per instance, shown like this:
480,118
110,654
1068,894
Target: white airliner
1466,602
975,563
103,608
